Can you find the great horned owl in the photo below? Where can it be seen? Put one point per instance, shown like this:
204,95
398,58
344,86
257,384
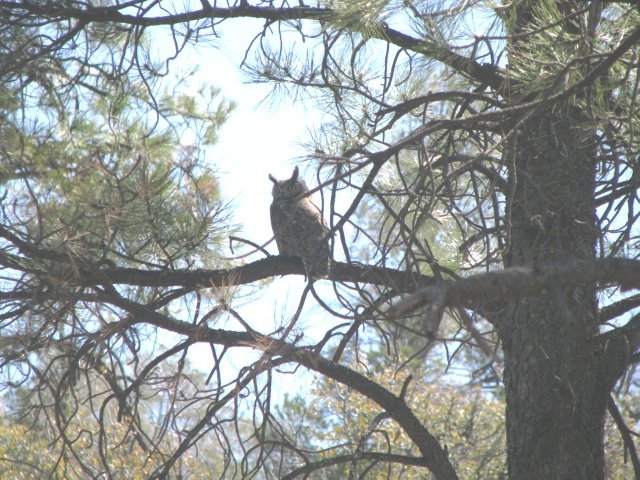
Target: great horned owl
298,226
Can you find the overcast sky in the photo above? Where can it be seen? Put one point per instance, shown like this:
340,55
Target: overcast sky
262,136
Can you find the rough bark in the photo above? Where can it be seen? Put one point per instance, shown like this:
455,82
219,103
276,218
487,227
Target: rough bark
556,381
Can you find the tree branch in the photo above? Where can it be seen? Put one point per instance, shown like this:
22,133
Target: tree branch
625,433
485,73
435,457
619,308
519,282
259,270
309,468
90,274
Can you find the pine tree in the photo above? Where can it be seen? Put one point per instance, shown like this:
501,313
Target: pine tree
478,164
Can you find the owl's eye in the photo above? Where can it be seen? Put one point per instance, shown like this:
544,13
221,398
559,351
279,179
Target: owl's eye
292,187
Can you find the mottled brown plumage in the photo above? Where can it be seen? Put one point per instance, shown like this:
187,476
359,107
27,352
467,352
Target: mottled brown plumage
298,226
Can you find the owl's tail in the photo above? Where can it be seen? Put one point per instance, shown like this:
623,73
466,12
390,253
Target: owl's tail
318,268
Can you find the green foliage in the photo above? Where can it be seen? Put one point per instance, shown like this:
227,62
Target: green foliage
31,450
399,217
550,58
361,16
24,454
102,165
111,183
96,174
467,420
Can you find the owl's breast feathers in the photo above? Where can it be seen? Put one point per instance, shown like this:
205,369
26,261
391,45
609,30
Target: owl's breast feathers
300,232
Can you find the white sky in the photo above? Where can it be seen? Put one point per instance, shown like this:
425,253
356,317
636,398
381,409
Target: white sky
263,135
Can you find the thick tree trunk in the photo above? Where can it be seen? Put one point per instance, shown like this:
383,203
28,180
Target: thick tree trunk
556,382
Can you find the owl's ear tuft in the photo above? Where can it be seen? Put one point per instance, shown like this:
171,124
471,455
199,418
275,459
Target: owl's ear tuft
271,177
294,176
